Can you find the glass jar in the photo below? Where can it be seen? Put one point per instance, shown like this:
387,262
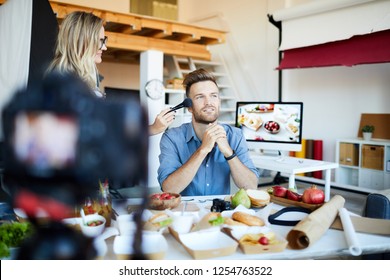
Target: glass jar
89,207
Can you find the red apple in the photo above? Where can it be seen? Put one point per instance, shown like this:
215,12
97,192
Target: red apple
293,195
279,191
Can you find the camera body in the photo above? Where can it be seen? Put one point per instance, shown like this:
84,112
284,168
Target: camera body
60,140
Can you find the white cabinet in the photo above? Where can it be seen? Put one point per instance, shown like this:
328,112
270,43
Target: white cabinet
364,164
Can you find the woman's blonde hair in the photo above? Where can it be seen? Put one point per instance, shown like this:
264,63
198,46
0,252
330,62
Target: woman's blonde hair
77,43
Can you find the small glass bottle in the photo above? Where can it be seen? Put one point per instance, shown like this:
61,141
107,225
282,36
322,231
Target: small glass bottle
105,202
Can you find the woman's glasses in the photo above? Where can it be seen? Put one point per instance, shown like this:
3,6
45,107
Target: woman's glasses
103,42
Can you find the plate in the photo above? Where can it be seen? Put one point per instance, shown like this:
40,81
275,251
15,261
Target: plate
292,128
261,109
253,122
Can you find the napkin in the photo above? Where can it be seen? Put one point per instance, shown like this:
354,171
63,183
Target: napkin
310,229
350,234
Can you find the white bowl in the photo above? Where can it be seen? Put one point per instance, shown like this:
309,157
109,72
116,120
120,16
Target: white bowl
93,231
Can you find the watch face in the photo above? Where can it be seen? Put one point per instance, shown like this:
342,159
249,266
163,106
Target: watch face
155,89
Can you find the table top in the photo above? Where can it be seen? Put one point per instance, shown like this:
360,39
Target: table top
291,164
332,244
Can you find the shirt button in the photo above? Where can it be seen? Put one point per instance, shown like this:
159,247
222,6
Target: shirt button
207,184
207,165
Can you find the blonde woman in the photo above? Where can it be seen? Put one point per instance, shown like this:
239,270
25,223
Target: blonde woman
79,47
80,44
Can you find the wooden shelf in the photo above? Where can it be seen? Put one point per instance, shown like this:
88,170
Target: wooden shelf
129,34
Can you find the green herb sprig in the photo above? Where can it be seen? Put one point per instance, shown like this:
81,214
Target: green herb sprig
12,235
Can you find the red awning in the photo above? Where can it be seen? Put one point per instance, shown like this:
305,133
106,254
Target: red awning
359,49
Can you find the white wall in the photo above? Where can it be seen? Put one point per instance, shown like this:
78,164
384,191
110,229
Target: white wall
251,45
334,97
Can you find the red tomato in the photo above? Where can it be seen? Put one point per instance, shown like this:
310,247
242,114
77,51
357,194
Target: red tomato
165,196
263,240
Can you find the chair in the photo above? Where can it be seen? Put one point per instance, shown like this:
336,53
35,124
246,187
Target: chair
378,207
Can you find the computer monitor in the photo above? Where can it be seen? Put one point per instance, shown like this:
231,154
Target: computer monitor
271,126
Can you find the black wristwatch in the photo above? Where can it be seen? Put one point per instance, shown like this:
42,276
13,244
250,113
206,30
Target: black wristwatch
232,156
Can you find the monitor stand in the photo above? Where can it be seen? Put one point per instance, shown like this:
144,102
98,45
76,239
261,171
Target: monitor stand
278,178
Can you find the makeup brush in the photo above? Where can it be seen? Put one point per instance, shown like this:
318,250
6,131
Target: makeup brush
186,103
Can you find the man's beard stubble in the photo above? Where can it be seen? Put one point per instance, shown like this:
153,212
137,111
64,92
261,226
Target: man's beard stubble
211,119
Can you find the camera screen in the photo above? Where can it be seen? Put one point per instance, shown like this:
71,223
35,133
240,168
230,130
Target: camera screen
45,140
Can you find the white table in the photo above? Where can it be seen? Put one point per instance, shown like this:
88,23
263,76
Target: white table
292,166
331,245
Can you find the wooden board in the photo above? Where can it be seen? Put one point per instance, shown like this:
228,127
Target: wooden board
381,123
289,202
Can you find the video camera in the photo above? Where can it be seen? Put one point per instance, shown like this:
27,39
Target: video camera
60,140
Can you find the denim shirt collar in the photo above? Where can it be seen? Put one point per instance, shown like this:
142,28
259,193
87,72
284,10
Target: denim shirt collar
190,134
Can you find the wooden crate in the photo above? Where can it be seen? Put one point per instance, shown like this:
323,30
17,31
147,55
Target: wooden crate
372,156
349,154
175,84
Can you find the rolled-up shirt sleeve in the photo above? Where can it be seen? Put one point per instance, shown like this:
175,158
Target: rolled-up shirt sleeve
238,143
173,154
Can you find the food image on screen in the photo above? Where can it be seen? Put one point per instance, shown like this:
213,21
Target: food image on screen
252,121
269,122
45,140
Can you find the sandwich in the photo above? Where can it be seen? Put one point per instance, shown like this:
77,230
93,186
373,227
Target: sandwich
210,220
157,222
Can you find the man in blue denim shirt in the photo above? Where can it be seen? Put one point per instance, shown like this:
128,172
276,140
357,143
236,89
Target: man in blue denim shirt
198,158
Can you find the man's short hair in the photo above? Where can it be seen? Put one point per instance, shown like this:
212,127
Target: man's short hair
196,76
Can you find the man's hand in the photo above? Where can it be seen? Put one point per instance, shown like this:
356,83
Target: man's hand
216,134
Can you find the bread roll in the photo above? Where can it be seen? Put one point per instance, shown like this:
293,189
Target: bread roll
247,219
231,222
259,198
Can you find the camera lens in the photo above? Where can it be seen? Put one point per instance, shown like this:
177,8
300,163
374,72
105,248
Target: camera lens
227,205
217,205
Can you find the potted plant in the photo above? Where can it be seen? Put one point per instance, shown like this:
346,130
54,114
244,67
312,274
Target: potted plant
367,131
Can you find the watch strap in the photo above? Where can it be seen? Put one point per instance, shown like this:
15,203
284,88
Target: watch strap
232,156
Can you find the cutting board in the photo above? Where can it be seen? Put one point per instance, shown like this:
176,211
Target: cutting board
289,202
